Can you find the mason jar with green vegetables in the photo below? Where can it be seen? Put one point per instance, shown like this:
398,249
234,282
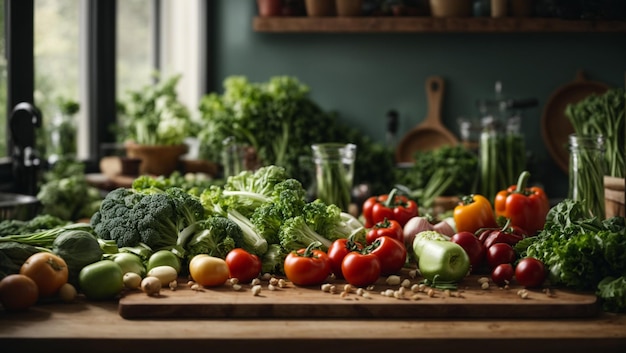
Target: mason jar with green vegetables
502,151
587,167
334,172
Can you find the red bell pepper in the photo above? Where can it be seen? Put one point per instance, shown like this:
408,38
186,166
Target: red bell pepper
526,207
400,208
473,213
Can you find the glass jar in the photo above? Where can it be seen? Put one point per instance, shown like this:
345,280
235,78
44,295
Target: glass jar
502,151
334,172
587,167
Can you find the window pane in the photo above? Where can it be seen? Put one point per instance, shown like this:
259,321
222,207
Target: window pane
134,45
57,61
3,86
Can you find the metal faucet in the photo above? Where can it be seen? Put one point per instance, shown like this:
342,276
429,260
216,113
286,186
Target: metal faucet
25,117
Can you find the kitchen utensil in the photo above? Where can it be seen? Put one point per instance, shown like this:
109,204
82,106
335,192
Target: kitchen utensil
431,133
555,126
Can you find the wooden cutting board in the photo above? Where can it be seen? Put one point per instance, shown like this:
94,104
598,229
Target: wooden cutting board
470,301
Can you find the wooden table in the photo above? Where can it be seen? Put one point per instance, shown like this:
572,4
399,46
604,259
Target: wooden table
92,327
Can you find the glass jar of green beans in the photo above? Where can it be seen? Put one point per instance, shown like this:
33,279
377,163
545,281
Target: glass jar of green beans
587,167
502,152
334,172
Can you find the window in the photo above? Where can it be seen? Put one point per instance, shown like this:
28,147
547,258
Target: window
57,63
71,45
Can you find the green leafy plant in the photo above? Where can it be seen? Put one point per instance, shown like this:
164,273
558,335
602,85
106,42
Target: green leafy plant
153,115
281,122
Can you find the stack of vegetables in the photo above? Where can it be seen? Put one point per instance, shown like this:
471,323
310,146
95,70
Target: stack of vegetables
264,212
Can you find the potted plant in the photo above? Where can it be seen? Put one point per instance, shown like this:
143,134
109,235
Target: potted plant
154,126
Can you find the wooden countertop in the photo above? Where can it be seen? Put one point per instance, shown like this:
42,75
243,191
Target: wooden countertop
97,327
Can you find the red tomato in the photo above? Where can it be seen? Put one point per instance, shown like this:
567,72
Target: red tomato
530,272
307,267
391,253
502,274
500,253
388,227
338,250
360,269
473,247
243,265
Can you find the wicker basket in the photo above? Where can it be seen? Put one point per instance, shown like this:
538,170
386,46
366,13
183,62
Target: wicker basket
20,207
614,192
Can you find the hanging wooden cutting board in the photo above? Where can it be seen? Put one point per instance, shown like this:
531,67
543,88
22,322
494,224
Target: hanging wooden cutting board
430,133
471,301
555,126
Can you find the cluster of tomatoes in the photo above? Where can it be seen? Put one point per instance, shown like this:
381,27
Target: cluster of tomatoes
43,275
359,264
493,249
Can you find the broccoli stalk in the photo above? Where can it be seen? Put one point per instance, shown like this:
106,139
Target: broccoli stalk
296,234
274,259
252,241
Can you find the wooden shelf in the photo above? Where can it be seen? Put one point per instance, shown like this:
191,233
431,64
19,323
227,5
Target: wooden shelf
430,25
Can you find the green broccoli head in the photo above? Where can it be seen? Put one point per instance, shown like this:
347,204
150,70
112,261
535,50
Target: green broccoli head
320,216
216,236
188,207
296,234
267,220
156,221
113,220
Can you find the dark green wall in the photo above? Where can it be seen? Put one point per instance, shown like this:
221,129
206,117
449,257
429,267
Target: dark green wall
362,76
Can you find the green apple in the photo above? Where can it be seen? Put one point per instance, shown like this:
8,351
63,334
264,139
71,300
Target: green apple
424,236
445,260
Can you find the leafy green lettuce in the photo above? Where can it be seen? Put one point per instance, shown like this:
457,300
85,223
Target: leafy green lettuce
580,251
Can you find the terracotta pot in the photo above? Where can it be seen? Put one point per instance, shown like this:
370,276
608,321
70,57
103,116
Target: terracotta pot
270,8
349,8
320,8
156,159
